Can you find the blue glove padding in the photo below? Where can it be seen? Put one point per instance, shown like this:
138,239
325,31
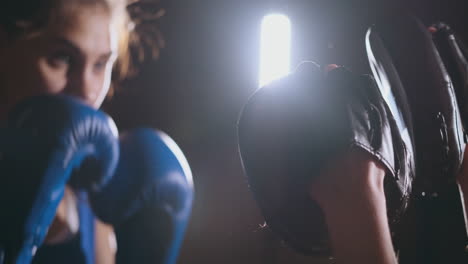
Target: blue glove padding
148,200
46,138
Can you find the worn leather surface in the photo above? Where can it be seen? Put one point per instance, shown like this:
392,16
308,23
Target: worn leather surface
454,55
403,56
431,98
292,129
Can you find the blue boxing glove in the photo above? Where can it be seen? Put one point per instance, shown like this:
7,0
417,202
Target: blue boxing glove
46,138
148,200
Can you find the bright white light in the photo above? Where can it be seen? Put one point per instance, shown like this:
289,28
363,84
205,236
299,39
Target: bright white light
275,48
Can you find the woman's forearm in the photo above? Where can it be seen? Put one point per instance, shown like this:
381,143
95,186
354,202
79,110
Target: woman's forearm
359,229
462,180
352,197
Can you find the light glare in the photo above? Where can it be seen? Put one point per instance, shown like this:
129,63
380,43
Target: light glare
275,46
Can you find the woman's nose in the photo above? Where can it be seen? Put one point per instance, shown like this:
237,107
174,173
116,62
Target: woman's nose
82,85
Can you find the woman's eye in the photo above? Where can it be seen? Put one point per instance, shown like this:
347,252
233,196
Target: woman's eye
60,60
100,65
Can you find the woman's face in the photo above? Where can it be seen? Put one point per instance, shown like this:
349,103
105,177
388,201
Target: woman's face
73,57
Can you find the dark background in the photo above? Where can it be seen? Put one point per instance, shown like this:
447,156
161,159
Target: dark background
195,91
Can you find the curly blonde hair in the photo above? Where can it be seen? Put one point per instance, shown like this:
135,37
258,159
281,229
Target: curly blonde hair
137,21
